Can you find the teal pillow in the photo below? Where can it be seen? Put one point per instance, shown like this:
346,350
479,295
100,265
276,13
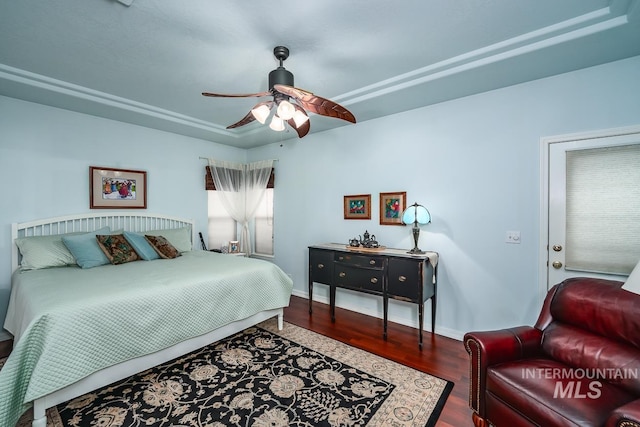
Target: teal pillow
85,249
141,246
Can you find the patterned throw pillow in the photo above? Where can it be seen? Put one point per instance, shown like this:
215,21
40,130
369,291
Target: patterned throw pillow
180,238
116,248
165,249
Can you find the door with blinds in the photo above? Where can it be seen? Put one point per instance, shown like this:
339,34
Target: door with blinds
593,206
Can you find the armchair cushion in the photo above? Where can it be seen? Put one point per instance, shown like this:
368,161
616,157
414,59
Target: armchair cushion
532,388
594,354
598,306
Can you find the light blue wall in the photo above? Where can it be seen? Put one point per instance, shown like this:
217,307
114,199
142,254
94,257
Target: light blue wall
475,163
45,154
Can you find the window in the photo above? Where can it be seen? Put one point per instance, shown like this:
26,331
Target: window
603,209
263,227
221,228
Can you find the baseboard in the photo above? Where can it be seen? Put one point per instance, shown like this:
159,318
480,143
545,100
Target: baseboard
446,332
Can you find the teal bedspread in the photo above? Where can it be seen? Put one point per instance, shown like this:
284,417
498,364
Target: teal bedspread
69,322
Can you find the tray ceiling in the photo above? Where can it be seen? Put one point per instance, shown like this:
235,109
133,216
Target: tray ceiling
147,63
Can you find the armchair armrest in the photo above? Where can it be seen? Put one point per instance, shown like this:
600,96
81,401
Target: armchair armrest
492,347
625,416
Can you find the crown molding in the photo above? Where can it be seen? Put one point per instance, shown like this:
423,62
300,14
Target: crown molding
615,15
48,84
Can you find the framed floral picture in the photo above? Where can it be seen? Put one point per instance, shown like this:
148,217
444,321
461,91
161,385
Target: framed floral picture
357,206
117,188
391,207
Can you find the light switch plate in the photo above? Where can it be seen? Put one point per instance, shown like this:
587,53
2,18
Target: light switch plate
513,237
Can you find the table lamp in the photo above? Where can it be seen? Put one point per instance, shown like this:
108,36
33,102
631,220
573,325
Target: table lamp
416,214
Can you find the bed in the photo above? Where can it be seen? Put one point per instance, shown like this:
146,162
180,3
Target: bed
78,329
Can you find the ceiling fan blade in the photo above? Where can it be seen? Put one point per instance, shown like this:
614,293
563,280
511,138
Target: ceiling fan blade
303,129
237,95
316,104
250,117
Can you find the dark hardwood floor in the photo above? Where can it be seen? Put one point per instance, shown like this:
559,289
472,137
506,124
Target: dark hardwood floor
440,356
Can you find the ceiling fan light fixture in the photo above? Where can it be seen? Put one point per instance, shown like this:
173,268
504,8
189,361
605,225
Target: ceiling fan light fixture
286,110
283,91
277,124
300,118
261,113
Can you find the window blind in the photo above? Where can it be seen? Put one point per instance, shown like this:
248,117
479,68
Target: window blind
603,209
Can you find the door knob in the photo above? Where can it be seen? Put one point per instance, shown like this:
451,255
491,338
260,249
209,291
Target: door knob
557,248
557,264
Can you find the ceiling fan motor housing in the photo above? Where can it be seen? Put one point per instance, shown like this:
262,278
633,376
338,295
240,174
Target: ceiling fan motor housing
280,76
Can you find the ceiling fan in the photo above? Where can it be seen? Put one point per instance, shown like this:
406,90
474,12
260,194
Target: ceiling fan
283,92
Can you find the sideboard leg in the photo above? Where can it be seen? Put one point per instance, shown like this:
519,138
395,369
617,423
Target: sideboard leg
434,300
420,322
332,302
385,309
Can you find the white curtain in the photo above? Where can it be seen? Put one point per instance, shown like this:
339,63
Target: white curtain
241,188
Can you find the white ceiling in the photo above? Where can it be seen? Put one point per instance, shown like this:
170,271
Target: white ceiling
148,63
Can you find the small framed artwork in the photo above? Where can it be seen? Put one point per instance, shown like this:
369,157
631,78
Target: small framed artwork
117,188
357,206
391,207
234,247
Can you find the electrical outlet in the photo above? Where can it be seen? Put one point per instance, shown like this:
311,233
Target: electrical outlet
513,237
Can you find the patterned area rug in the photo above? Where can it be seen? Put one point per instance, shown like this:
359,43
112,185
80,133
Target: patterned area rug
264,377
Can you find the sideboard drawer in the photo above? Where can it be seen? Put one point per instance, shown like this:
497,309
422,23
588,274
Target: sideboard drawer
362,261
405,279
370,280
321,266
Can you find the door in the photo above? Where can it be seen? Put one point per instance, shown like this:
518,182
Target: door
593,206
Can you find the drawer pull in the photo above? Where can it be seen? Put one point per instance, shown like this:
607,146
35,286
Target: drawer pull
374,280
320,265
342,274
340,258
372,262
402,278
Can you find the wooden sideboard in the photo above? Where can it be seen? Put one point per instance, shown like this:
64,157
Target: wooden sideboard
389,273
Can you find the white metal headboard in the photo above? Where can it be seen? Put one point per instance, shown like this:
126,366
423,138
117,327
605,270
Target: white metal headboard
92,221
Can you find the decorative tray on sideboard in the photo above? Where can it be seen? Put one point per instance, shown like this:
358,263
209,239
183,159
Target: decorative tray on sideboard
363,249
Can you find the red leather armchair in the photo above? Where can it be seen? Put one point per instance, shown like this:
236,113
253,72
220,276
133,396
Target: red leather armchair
578,366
